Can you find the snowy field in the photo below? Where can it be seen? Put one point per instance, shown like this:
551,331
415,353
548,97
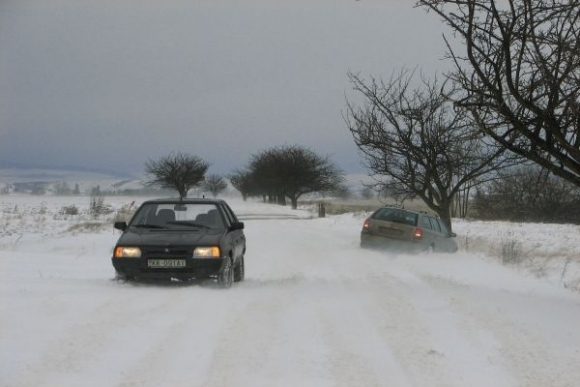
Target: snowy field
315,309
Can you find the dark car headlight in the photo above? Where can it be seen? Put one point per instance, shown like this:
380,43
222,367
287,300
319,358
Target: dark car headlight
207,252
127,252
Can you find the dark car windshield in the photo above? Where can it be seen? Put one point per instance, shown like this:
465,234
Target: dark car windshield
396,215
178,216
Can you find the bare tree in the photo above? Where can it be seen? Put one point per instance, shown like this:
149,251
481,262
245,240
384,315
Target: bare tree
520,75
293,171
214,184
243,182
177,171
267,175
97,203
367,193
416,144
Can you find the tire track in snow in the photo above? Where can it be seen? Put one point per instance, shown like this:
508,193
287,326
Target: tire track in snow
360,355
431,341
347,327
109,339
271,340
77,346
538,351
181,354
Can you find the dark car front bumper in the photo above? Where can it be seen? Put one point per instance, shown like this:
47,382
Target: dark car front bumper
194,268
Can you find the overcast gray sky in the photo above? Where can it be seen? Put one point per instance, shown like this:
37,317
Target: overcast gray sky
109,84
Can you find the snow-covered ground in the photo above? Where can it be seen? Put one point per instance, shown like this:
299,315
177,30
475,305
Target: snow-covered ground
315,309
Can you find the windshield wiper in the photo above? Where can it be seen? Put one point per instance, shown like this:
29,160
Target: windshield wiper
148,226
191,224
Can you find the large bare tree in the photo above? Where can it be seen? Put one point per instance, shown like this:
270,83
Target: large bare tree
215,184
177,171
416,143
519,68
293,171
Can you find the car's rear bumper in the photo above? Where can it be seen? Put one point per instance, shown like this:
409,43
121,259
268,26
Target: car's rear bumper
380,242
194,268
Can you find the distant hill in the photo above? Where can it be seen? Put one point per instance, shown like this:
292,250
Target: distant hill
29,180
25,169
36,180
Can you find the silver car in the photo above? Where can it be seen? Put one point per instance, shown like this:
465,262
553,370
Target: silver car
405,230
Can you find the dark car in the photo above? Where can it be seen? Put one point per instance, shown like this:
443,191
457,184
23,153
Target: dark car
181,239
406,230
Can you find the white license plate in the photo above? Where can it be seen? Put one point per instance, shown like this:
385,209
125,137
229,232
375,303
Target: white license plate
166,263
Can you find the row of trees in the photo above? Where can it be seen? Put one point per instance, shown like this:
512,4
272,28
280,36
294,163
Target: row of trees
274,174
182,172
530,194
60,188
512,96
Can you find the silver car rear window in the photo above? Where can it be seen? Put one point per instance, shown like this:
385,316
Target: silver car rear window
396,215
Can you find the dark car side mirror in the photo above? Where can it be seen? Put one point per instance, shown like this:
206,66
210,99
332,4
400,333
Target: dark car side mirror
237,226
120,225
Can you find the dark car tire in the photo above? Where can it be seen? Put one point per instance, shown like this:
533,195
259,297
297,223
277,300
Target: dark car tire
225,278
123,277
364,244
240,270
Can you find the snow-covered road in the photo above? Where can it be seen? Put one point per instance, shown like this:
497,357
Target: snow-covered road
315,310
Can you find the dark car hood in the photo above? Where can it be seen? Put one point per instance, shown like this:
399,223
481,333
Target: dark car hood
136,237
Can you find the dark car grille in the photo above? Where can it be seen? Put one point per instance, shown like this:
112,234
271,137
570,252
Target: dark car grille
167,252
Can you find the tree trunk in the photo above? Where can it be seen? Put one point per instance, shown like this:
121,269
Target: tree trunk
281,200
294,202
445,215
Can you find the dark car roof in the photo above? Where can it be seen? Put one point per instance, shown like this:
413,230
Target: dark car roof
184,200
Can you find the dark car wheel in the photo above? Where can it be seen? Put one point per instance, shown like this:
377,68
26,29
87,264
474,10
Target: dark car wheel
240,270
225,278
123,277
